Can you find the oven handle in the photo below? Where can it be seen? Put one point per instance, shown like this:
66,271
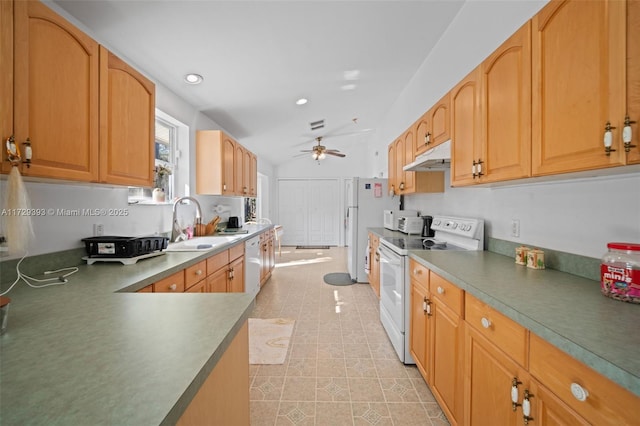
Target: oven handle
388,256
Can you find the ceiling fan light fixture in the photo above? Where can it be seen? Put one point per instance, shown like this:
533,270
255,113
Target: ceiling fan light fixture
302,101
193,78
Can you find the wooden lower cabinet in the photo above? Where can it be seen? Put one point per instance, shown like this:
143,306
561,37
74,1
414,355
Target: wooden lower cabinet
418,329
489,376
549,410
267,255
223,399
199,287
236,276
217,282
374,264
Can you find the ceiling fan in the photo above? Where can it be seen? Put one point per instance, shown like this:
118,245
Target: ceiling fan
319,152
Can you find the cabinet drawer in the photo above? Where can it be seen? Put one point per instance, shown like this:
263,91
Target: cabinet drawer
172,284
147,289
606,402
195,273
236,251
446,292
505,333
217,261
419,274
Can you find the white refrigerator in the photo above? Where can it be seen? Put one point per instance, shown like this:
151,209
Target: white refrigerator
366,200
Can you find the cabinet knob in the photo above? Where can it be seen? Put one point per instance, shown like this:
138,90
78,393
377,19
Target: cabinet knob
578,392
417,271
486,323
440,290
198,272
173,287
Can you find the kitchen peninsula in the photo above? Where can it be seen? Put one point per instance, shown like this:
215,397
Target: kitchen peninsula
93,351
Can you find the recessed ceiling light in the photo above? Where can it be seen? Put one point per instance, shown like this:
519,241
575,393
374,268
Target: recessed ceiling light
348,87
193,78
302,101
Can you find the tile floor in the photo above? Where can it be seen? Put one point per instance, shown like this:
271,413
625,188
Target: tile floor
340,368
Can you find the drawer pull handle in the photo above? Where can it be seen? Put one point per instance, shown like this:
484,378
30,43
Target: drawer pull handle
440,290
199,272
515,394
173,287
526,407
578,392
486,323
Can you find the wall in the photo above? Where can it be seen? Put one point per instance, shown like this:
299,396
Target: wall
578,216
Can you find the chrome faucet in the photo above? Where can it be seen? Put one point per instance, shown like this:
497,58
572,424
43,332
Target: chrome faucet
177,234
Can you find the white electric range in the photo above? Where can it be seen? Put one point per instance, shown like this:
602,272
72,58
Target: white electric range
451,233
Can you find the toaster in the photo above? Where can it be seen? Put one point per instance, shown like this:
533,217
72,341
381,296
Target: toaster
410,225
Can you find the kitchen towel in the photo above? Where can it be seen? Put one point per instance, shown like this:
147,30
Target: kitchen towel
269,340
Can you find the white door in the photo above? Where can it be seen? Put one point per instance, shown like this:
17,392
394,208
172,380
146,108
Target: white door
309,211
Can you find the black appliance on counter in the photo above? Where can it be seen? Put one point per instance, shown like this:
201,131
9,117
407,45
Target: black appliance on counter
123,247
426,226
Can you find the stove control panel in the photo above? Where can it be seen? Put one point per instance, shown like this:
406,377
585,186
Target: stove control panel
458,226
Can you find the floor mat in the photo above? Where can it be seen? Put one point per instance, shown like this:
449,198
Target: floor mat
338,278
313,247
269,340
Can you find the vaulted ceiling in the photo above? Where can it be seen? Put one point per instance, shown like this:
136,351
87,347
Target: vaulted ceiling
350,59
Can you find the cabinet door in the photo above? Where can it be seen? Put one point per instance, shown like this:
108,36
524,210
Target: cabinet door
199,287
418,331
422,130
127,123
440,121
56,94
489,375
506,109
577,87
236,281
447,352
6,79
217,282
633,77
228,165
238,174
246,173
400,175
548,410
465,126
264,261
409,178
391,161
374,265
254,175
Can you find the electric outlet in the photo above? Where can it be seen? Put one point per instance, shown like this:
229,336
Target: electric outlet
515,228
98,230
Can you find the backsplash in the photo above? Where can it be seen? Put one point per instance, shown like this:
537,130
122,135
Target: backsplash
582,266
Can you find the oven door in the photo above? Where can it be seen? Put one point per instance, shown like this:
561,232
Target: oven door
392,295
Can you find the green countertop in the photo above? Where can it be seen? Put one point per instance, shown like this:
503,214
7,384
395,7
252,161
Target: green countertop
93,352
566,310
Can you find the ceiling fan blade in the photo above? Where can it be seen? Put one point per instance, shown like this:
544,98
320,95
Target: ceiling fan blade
337,154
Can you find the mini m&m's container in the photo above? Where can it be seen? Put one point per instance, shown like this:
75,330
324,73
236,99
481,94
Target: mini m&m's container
620,272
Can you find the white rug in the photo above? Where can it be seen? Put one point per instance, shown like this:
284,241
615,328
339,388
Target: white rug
269,340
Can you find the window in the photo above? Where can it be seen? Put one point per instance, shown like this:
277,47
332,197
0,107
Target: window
168,131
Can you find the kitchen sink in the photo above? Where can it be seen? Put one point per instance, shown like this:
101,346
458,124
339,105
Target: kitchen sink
202,243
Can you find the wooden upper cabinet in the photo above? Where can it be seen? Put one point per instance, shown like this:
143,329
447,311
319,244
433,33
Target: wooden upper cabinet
55,93
422,131
440,121
228,165
465,128
246,173
253,179
391,162
577,86
633,77
127,123
238,172
409,178
399,150
506,109
6,78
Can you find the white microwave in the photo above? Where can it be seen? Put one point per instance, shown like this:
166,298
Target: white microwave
392,217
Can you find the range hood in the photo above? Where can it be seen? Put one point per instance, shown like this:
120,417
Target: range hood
437,158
